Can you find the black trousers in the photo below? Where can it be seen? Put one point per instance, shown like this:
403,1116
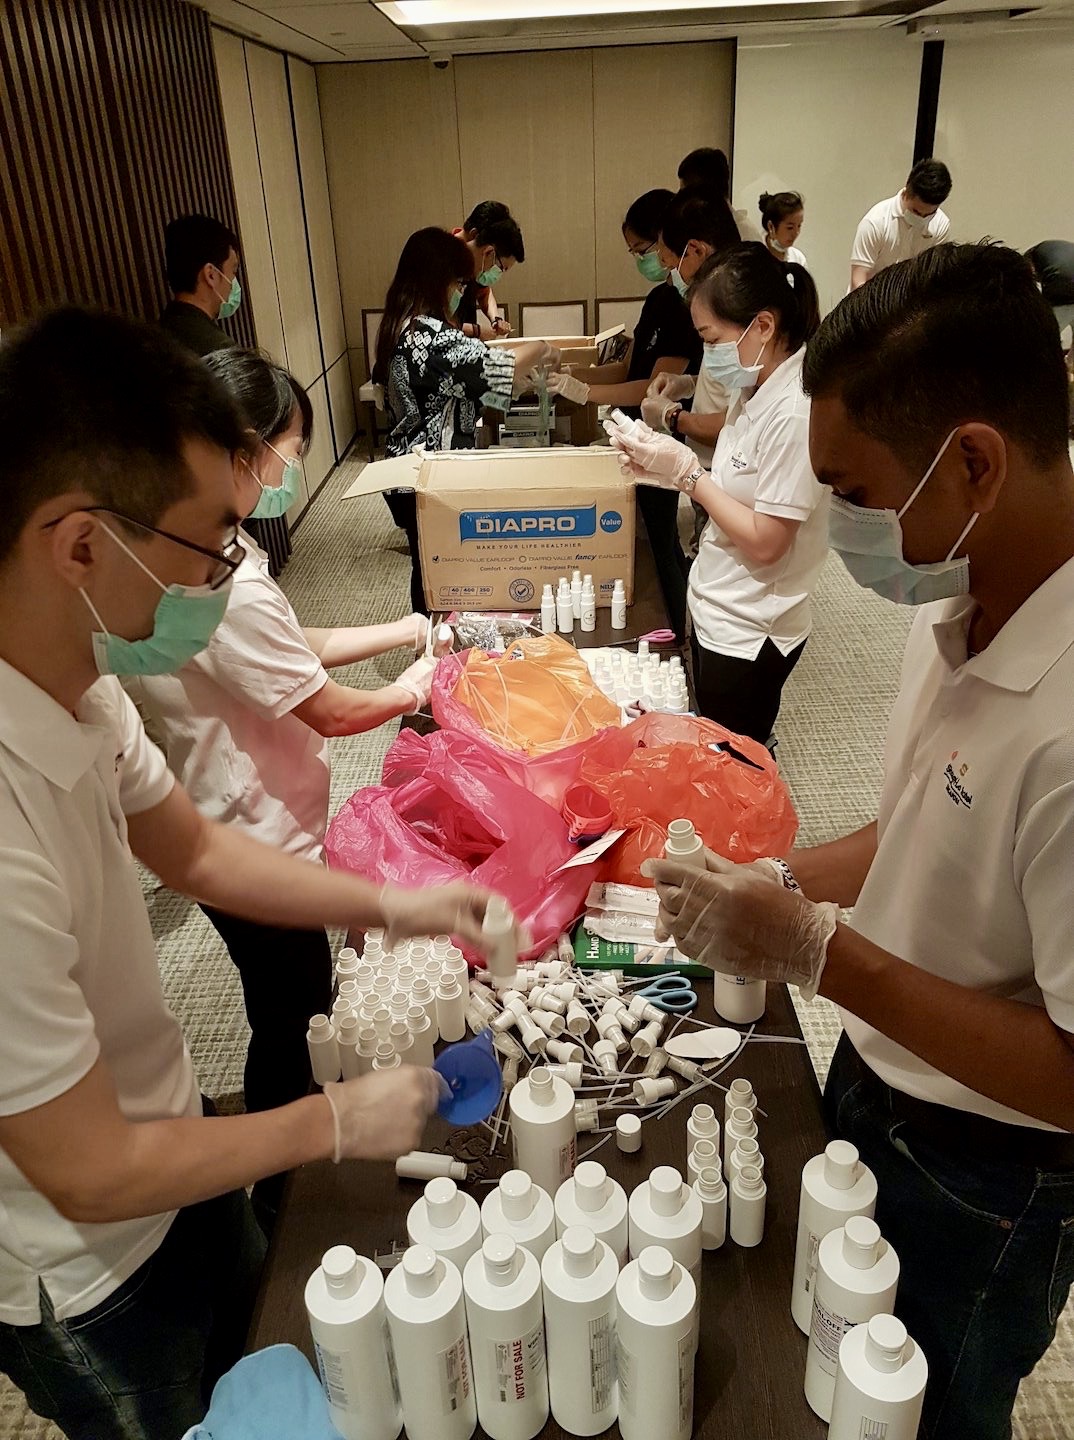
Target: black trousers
659,509
742,695
404,507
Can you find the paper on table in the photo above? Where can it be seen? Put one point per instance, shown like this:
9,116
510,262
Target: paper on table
713,1044
591,852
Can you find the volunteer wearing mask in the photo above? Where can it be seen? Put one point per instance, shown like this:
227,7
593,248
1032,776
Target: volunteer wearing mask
201,261
129,1255
245,727
782,216
940,421
763,548
436,379
493,238
906,225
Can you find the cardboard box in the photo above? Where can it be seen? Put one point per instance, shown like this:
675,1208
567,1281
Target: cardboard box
495,526
573,349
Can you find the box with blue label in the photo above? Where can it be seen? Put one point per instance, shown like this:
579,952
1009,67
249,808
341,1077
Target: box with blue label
495,526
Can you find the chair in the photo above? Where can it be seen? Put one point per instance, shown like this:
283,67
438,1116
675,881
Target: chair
565,318
619,311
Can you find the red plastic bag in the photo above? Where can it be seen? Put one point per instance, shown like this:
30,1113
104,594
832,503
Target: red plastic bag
663,767
447,810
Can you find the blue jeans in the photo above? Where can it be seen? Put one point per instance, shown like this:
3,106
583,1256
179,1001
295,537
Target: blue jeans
987,1254
142,1364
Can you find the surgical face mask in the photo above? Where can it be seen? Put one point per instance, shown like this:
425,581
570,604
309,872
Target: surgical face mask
776,246
183,624
454,301
870,543
680,284
277,499
650,268
491,275
914,220
233,301
722,362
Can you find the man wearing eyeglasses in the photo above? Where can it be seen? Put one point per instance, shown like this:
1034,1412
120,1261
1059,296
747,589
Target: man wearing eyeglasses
128,1251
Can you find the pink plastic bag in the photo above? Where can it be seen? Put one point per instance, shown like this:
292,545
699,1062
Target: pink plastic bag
447,810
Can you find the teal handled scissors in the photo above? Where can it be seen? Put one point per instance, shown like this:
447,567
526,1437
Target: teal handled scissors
671,993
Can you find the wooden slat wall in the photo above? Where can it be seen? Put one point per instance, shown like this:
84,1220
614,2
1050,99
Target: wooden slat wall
110,125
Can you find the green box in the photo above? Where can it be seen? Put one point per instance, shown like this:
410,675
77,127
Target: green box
593,953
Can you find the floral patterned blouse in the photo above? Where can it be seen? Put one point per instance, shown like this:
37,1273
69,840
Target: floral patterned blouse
439,380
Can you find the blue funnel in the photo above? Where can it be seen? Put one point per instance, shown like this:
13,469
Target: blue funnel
473,1072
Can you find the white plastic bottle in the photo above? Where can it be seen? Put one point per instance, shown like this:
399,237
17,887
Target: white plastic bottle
427,1325
345,1305
564,609
521,1209
857,1277
737,999
685,844
576,594
588,615
324,1050
450,1008
505,1316
739,1096
835,1186
498,931
710,1189
591,1198
880,1387
702,1124
548,611
543,1129
740,1126
618,616
446,1220
656,1301
424,1165
748,1198
579,1274
664,1211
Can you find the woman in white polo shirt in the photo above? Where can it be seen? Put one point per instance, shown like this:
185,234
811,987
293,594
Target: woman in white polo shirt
767,536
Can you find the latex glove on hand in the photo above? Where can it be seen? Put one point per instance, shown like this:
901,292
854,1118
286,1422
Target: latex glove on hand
382,1115
417,680
562,383
500,328
735,920
457,909
424,627
654,412
644,453
672,388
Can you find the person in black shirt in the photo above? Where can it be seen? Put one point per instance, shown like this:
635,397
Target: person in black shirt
1053,265
201,258
495,241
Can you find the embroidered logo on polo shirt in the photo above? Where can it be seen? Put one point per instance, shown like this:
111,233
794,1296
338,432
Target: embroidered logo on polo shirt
739,461
953,782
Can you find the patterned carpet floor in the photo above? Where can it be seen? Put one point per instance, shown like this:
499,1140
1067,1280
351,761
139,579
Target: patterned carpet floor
350,566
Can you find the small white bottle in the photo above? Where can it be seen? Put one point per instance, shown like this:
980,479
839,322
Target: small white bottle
501,947
576,594
427,1325
564,609
664,1211
835,1186
446,1220
618,606
579,1274
450,1008
880,1387
656,1302
521,1209
704,1156
548,611
505,1316
324,1050
737,999
701,1124
740,1126
421,1036
746,1203
711,1190
345,1305
685,844
591,1198
425,1165
746,1152
588,613
543,1130
857,1277
739,1096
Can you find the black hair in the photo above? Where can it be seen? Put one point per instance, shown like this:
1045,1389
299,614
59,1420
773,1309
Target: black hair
192,242
493,224
645,218
742,282
431,261
266,393
707,169
930,180
93,402
486,212
960,333
776,208
699,215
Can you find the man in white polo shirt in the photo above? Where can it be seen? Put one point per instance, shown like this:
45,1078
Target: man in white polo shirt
906,225
128,1251
939,421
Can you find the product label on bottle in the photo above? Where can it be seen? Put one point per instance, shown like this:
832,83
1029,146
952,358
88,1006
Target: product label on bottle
826,1331
518,1363
567,1155
601,1362
686,1383
812,1252
453,1369
393,1371
625,1364
331,1368
873,1429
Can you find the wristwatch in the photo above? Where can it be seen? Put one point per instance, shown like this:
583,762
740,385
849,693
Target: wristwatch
786,874
671,419
689,485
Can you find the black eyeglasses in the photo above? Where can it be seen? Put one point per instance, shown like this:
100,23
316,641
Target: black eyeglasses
227,560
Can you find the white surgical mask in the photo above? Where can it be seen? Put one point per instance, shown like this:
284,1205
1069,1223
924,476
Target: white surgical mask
870,544
914,220
776,246
723,363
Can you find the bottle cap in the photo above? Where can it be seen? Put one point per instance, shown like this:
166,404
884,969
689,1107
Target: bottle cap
861,1241
885,1343
627,1134
473,1073
841,1165
340,1267
580,1254
518,1196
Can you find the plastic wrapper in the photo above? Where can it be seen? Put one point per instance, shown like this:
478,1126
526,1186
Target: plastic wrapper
447,810
663,767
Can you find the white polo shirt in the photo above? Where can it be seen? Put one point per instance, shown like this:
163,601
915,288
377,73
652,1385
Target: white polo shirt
974,874
80,972
762,460
884,236
226,724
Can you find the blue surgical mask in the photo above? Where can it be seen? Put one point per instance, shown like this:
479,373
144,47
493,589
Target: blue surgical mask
233,301
454,301
650,268
491,275
870,543
277,499
184,622
722,363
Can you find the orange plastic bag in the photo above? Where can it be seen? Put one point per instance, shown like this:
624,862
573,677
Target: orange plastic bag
663,767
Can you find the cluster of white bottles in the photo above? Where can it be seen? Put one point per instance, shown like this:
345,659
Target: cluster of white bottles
574,602
628,679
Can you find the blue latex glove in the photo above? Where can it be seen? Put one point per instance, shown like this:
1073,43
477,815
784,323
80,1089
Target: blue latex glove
272,1394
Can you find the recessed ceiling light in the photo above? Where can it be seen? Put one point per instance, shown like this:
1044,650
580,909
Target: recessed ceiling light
425,13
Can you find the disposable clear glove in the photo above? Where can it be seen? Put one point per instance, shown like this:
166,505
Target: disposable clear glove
735,920
501,328
418,680
382,1115
456,909
646,454
671,388
654,411
565,384
423,625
